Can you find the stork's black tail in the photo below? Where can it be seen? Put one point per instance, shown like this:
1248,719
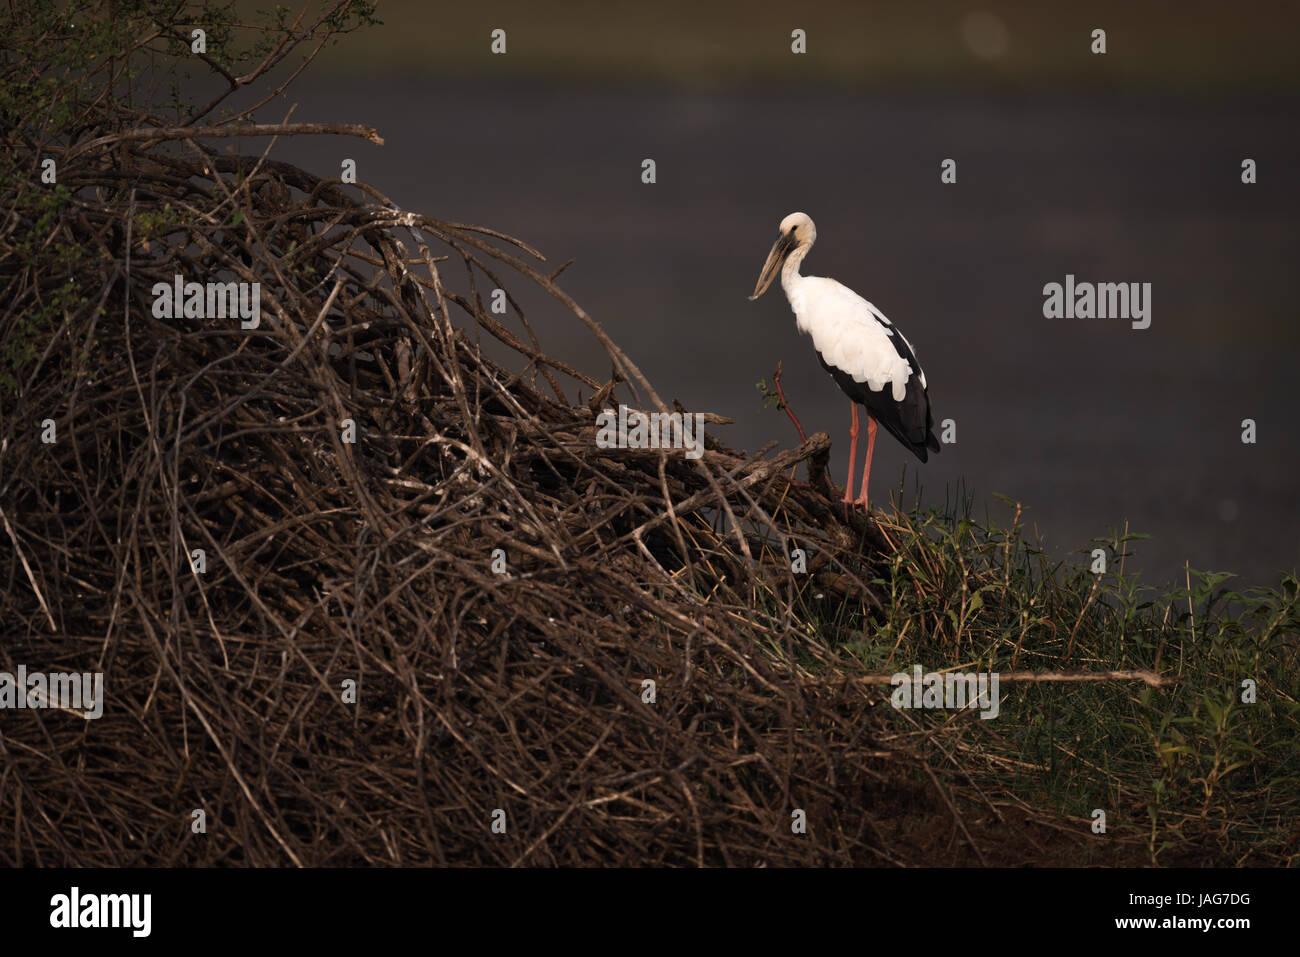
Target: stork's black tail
910,421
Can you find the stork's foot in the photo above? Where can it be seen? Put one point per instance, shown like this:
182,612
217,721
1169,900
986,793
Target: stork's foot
848,501
851,506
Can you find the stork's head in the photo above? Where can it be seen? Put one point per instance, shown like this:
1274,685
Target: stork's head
797,232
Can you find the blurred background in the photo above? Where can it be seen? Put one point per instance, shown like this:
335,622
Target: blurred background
1122,167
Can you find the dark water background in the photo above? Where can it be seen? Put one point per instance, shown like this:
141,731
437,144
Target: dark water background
1089,423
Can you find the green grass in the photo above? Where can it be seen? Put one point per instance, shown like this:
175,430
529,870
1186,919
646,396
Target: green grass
1192,770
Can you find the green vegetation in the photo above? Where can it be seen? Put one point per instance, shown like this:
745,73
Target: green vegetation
74,72
1194,772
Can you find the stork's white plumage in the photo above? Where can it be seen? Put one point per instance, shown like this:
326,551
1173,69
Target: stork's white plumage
869,358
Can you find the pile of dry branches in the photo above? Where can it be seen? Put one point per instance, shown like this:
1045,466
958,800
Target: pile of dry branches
361,594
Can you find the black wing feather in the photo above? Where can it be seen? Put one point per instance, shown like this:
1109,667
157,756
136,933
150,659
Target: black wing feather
911,421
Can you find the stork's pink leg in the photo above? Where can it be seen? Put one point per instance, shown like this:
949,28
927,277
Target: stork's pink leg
866,468
853,454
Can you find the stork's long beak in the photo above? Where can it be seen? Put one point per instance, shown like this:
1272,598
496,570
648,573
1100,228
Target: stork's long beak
780,249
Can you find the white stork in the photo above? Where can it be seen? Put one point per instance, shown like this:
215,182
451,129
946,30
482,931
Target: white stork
867,356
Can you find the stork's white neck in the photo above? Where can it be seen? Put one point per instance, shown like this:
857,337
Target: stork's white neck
790,271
